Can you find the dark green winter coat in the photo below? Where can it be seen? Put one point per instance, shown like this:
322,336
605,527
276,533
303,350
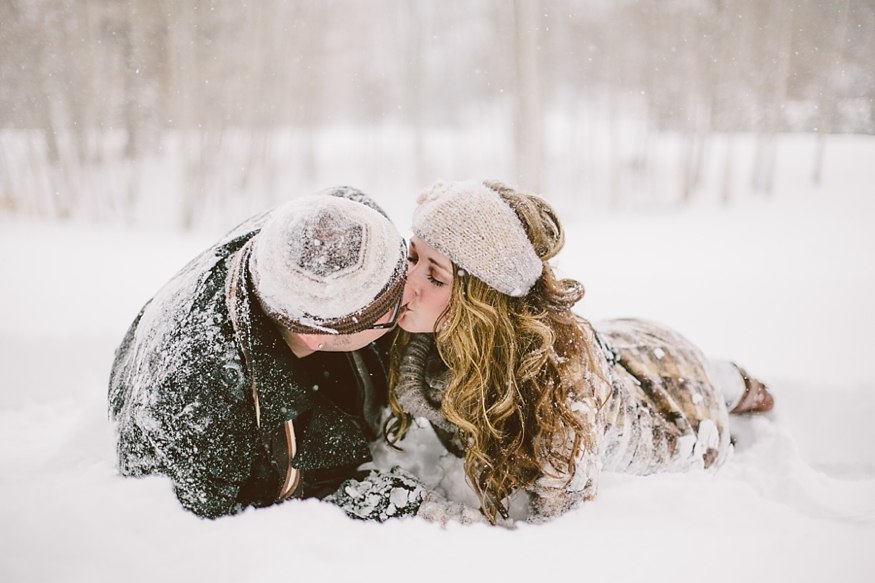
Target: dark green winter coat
203,383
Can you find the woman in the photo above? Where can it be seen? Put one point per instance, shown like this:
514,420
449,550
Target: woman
533,396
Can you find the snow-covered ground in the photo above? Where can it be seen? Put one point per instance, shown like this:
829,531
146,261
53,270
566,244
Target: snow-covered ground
784,285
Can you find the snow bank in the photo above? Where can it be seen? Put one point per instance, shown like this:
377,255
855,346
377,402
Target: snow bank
784,285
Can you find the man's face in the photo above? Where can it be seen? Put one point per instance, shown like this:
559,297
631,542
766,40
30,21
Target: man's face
305,344
342,342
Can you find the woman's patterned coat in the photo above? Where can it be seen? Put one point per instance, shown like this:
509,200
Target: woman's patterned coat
654,407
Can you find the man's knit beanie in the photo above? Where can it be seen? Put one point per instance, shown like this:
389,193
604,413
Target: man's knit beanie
331,263
473,226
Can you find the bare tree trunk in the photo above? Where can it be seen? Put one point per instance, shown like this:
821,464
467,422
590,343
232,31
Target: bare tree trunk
130,75
767,143
700,104
688,152
819,151
8,204
828,109
416,87
687,155
728,167
312,88
529,134
54,116
615,187
183,43
260,35
692,161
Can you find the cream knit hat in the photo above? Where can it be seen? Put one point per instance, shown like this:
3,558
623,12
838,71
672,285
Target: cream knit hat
328,264
473,226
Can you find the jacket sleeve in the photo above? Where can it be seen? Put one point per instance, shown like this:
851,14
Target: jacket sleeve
422,381
558,490
183,413
209,450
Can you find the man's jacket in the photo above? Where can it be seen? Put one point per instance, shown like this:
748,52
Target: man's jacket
203,388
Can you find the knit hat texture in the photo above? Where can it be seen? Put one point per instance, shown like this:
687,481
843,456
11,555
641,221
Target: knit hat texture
473,226
328,264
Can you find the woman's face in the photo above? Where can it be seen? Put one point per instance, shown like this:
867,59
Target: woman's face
428,288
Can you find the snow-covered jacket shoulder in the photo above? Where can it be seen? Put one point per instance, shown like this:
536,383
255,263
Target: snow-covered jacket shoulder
181,392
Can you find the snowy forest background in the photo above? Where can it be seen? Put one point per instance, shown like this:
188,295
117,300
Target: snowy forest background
713,162
133,109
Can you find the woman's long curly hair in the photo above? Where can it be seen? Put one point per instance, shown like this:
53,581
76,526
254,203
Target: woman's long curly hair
514,363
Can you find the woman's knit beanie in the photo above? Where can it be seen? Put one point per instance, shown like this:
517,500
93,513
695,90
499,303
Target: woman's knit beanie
473,226
331,263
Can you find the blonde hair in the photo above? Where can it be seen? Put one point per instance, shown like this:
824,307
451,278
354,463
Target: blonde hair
514,364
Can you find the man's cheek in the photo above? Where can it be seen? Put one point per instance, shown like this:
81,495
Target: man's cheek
342,341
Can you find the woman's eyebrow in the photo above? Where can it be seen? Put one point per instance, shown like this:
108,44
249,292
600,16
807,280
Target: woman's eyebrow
439,265
432,260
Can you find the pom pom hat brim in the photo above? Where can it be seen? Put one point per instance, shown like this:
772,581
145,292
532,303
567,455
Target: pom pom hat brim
328,265
473,226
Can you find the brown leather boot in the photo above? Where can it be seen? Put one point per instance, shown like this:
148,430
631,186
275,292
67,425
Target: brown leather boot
756,397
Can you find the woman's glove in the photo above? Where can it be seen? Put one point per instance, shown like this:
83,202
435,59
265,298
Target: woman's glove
380,496
394,494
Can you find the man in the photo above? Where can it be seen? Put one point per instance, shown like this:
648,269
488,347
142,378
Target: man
252,376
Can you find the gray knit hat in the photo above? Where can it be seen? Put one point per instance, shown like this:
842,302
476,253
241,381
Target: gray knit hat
473,226
328,264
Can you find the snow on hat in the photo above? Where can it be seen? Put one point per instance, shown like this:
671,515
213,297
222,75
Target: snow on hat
473,226
328,264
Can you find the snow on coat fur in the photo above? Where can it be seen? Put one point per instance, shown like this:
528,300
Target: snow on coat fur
654,408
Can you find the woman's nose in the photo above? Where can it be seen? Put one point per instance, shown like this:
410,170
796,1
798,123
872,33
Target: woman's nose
411,287
409,291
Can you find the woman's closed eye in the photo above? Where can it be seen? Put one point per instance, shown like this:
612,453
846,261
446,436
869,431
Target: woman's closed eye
413,259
